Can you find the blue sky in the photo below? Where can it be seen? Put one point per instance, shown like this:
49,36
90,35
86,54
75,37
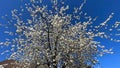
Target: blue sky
101,9
95,8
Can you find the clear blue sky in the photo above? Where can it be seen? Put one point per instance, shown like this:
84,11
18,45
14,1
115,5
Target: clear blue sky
95,8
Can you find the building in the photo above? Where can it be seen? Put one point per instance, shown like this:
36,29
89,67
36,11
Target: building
9,64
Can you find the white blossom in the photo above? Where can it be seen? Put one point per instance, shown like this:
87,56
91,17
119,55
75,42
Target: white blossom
52,36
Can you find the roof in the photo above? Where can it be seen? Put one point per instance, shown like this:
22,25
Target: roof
9,64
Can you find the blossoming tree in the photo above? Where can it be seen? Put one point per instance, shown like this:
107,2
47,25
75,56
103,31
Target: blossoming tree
53,38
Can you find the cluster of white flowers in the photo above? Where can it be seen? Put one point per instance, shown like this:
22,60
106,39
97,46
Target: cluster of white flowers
53,37
1,66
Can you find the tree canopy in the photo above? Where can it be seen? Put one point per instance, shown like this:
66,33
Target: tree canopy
51,36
